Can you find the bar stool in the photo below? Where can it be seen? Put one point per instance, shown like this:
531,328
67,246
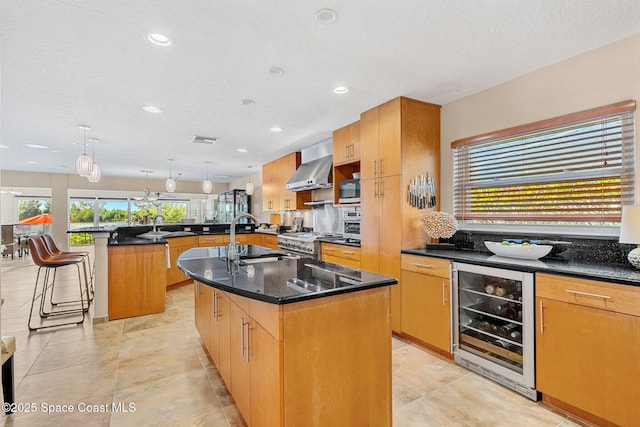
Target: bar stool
53,249
47,261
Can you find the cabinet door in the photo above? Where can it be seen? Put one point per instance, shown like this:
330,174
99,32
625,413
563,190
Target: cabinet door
239,360
588,358
426,309
220,324
390,139
369,225
270,241
354,138
369,144
203,310
269,187
390,235
341,145
266,380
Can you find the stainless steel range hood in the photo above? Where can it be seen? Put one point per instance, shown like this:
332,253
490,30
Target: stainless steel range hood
316,170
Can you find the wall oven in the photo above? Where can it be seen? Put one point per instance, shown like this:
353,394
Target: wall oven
351,222
494,325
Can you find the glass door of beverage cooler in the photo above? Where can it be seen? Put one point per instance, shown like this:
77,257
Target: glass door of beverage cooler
494,327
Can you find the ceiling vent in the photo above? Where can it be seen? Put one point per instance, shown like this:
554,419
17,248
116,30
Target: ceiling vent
205,140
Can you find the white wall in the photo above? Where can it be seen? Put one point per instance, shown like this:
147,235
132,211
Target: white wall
600,77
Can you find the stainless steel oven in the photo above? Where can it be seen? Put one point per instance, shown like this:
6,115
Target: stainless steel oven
494,325
352,226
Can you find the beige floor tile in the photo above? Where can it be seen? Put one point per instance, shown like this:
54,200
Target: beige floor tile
152,321
86,354
176,400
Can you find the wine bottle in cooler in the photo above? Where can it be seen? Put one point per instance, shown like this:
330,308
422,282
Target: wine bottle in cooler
505,289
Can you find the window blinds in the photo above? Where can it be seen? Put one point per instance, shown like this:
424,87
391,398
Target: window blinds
577,168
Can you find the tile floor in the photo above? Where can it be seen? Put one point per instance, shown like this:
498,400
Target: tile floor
157,365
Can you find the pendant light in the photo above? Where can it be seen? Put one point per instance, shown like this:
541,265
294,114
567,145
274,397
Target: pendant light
95,174
170,185
249,189
206,184
84,163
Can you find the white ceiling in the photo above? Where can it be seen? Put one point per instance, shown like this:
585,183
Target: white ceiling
67,62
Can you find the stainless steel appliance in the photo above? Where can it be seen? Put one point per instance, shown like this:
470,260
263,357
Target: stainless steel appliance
352,226
301,243
349,191
494,325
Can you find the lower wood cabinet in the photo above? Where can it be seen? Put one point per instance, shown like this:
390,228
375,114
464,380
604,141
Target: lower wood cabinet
136,280
426,301
203,310
588,348
349,256
177,245
213,240
269,241
312,377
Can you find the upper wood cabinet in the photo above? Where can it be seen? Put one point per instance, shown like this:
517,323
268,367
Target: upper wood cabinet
275,174
346,144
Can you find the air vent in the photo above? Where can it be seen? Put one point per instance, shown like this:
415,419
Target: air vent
205,140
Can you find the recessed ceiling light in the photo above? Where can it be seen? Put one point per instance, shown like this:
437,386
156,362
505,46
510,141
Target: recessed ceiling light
340,89
31,162
248,102
242,150
159,39
35,146
275,129
151,109
326,16
220,176
4,146
275,71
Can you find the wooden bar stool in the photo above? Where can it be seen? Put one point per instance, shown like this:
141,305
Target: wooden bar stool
50,262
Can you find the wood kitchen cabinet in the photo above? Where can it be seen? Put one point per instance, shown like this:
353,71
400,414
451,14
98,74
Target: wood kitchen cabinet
588,347
398,140
269,241
346,144
177,245
426,301
349,256
137,276
275,174
203,309
293,382
213,240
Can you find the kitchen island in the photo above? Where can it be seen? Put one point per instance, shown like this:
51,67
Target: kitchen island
297,341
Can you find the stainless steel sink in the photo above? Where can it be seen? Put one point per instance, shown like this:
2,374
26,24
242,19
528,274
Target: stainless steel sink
259,260
164,234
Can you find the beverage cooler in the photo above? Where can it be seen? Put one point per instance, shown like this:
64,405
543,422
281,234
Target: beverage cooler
494,325
231,203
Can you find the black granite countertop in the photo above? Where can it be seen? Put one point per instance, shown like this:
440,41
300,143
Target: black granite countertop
610,272
283,281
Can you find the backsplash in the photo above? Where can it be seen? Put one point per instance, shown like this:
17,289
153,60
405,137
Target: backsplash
568,248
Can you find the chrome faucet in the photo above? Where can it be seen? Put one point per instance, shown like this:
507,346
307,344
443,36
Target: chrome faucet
155,221
233,261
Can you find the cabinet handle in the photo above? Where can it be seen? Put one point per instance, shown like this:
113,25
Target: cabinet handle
381,184
347,252
375,168
541,318
381,173
587,294
242,350
375,189
423,265
216,313
329,249
246,337
444,299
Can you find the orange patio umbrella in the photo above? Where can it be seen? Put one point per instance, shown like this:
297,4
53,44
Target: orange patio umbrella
38,219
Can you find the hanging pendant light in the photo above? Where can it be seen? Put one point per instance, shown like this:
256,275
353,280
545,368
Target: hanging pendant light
206,184
95,174
249,189
170,184
84,163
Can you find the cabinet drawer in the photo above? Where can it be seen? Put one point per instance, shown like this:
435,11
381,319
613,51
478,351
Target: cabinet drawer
213,240
348,252
342,261
590,293
425,265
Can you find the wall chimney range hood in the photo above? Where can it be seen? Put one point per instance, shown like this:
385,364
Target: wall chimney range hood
316,170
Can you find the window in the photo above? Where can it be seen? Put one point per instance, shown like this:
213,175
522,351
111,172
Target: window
576,170
175,211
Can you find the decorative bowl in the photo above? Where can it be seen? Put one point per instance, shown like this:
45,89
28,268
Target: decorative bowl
518,250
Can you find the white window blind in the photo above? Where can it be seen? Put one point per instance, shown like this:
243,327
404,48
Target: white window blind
572,169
